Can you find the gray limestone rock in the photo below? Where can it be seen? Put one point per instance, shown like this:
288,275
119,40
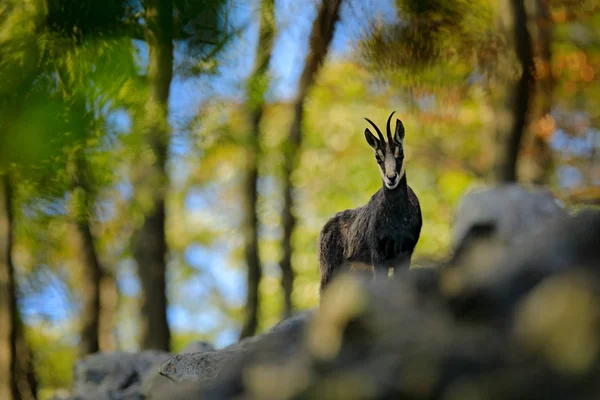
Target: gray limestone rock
513,315
201,367
114,376
512,209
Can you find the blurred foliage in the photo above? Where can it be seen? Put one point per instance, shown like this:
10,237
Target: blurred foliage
54,357
337,169
456,34
572,127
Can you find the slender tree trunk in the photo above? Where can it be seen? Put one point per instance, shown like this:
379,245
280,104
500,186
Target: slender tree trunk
108,311
320,38
149,244
541,152
82,208
26,380
517,102
90,313
17,380
92,270
98,309
257,86
8,388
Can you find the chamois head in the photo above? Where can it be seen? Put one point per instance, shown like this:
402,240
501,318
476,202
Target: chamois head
390,155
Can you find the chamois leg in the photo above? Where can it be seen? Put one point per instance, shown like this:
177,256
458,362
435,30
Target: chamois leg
331,252
327,272
379,262
386,257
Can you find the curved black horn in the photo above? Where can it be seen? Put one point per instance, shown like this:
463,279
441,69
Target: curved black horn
389,130
377,129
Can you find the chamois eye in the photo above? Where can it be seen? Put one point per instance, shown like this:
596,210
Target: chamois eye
379,160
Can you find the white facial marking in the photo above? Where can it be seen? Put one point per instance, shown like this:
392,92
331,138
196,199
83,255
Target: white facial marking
392,186
388,170
389,174
390,165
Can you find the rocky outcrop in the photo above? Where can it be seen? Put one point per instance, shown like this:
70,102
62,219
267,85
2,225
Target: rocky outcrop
523,323
115,376
512,210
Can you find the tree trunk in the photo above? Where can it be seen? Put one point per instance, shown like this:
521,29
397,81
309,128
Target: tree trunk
518,102
257,86
26,380
320,38
92,270
8,388
97,297
17,380
541,153
109,297
81,210
149,244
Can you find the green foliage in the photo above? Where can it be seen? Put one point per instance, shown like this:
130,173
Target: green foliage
81,18
337,168
434,33
181,339
202,27
53,71
54,357
66,66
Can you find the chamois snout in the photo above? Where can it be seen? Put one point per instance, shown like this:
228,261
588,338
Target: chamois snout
391,181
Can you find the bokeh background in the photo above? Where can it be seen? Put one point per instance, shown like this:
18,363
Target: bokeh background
166,165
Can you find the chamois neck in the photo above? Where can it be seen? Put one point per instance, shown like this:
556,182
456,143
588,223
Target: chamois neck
399,192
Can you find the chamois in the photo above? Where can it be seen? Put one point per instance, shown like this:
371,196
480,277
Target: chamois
383,233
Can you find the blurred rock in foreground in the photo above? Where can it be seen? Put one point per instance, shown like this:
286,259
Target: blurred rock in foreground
514,314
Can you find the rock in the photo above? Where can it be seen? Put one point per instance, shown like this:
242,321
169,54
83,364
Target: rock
158,381
526,328
197,370
511,210
491,220
492,289
513,315
115,375
125,376
201,367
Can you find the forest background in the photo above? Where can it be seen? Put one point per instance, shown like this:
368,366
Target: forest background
166,165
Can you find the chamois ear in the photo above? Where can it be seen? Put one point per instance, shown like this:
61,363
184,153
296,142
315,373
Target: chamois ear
399,132
373,142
